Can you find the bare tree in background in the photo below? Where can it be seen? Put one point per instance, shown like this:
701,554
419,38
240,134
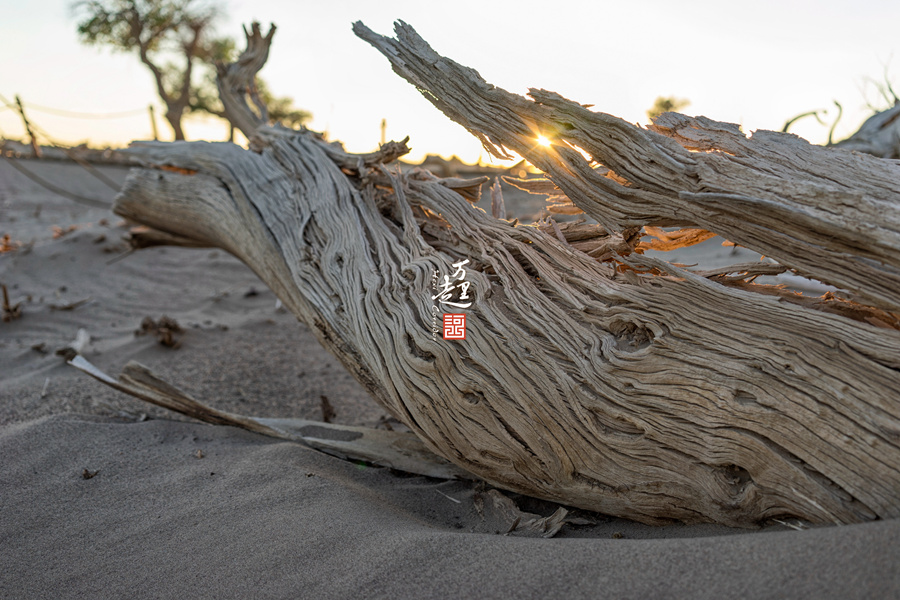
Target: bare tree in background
174,39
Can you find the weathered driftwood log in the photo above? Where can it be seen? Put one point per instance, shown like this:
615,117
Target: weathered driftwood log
590,374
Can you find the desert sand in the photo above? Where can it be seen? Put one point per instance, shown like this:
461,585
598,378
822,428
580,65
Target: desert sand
103,496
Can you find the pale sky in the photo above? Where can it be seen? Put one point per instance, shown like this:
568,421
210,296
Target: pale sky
756,64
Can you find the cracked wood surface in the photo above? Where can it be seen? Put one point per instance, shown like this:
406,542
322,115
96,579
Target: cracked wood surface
621,384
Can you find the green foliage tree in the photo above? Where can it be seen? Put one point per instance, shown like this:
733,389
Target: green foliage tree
665,104
174,39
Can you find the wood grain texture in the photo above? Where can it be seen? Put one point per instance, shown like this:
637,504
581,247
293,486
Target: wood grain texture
605,380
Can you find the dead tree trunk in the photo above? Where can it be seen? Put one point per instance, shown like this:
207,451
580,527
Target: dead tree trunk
878,136
590,374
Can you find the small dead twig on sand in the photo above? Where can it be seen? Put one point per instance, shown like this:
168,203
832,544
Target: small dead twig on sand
166,330
10,311
70,305
328,412
8,245
59,232
451,498
121,256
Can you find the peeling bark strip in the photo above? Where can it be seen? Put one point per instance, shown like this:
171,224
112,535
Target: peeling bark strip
391,449
630,386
